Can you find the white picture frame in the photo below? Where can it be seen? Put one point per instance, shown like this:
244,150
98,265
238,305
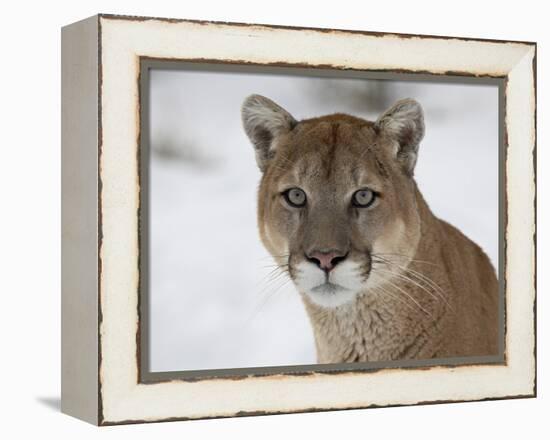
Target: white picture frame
102,198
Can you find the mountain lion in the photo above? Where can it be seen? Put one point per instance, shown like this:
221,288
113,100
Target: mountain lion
339,210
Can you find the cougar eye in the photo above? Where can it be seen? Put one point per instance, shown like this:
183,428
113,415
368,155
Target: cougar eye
363,198
295,197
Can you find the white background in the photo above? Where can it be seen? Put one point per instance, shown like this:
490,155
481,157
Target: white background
215,301
30,219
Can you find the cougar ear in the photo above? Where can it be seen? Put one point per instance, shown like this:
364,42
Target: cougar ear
263,121
404,122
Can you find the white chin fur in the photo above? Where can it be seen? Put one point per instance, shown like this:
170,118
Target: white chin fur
344,283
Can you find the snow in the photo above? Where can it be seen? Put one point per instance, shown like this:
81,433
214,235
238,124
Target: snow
214,301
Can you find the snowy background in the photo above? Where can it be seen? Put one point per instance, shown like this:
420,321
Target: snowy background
213,303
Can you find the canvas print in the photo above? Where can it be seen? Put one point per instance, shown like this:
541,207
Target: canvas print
299,219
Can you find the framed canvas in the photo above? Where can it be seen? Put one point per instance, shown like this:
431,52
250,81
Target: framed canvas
266,219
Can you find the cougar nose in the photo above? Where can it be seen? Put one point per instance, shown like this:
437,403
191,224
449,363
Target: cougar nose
326,260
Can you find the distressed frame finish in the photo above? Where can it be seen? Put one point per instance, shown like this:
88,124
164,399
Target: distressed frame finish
101,61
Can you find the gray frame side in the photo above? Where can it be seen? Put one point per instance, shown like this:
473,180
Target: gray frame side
79,218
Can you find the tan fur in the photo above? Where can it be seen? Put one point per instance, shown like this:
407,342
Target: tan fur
427,290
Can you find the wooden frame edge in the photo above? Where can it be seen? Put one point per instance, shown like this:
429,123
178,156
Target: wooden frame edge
98,418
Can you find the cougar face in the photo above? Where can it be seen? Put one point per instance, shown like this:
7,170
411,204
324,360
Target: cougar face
336,194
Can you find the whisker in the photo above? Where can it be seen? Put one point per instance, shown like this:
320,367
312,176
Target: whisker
408,257
271,257
275,265
284,158
424,277
267,296
394,296
408,279
367,150
275,272
408,295
276,276
273,268
436,288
